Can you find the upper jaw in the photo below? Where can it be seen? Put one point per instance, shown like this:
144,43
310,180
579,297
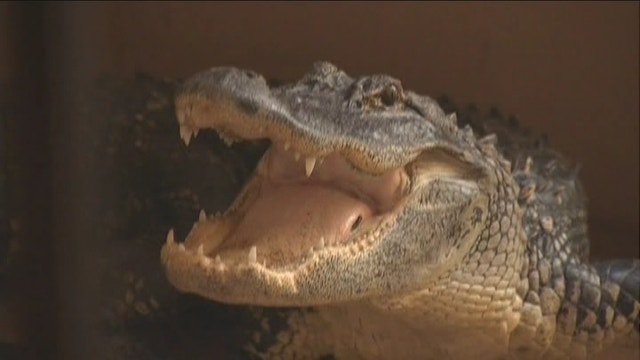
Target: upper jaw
325,112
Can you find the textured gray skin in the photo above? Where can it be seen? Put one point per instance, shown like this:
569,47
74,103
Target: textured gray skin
492,266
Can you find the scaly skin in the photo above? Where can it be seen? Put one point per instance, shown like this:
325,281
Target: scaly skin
414,239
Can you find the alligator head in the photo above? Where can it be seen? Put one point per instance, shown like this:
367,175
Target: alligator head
366,190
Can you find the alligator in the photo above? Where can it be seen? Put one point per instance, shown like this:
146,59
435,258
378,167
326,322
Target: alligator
389,228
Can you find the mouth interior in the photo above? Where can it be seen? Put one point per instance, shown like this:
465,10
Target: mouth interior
297,205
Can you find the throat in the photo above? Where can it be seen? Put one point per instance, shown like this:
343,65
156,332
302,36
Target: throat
363,330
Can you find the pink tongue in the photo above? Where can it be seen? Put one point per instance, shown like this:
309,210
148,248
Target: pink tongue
284,222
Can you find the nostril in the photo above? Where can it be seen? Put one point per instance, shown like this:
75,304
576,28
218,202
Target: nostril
356,224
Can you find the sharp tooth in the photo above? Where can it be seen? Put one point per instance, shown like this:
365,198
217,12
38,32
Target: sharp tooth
225,138
185,134
286,146
202,216
201,250
296,156
309,164
202,257
181,247
205,261
170,238
253,255
321,244
195,132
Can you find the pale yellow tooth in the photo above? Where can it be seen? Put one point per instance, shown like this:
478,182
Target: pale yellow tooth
202,216
170,238
202,257
321,245
296,156
253,255
185,134
181,247
201,250
309,164
225,138
205,261
219,266
195,132
287,146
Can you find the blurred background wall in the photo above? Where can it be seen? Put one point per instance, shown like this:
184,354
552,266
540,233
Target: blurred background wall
567,69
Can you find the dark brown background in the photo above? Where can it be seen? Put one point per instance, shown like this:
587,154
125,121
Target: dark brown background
568,69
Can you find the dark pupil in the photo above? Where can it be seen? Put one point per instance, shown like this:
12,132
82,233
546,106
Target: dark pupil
389,95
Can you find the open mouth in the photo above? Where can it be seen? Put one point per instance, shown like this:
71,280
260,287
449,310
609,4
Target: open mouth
295,207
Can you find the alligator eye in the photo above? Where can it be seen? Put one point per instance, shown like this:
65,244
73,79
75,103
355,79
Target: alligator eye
390,95
356,223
